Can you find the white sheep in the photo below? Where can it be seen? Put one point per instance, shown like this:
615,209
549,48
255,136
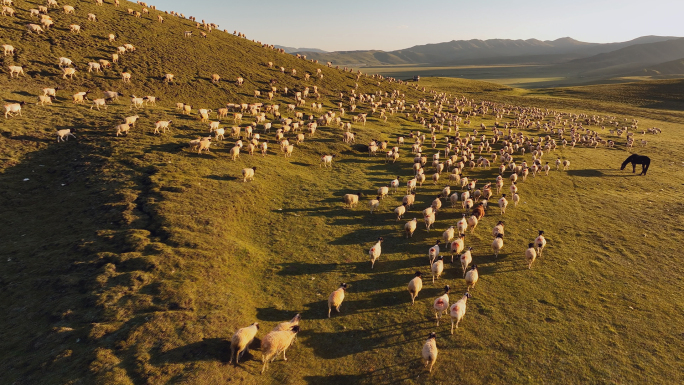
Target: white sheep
136,102
410,227
69,9
162,125
351,200
457,246
19,70
274,343
75,28
50,92
433,252
497,245
234,153
472,223
168,78
326,160
126,77
64,62
441,304
458,310
336,297
44,99
112,95
13,109
373,204
79,97
46,22
131,120
400,211
430,351
99,103
566,165
503,203
64,134
472,277
248,174
436,204
68,72
383,191
429,221
415,286
241,340
530,255
122,129
8,11
437,267
448,235
409,199
498,229
204,144
288,324
94,66
466,258
462,225
92,17
8,49
35,28
375,251
539,243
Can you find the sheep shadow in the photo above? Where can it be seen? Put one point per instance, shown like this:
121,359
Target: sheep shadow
271,314
299,268
222,178
339,344
390,374
209,349
301,164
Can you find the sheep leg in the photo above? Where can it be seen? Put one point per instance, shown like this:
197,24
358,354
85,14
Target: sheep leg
329,309
338,308
452,326
232,353
284,358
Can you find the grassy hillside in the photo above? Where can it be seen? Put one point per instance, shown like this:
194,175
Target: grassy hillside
131,260
670,68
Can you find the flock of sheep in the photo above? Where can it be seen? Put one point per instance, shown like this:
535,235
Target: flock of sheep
454,150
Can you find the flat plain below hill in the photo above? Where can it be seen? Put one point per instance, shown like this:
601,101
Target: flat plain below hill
132,260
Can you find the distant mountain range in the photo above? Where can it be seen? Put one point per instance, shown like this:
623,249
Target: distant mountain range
493,51
565,58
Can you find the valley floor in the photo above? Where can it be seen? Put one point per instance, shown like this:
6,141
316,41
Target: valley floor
133,260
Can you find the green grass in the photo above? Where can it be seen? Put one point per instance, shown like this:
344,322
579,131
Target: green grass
133,260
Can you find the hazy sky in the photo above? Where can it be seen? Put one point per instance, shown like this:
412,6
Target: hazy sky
394,24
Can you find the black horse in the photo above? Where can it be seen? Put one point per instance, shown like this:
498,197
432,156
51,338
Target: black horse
635,159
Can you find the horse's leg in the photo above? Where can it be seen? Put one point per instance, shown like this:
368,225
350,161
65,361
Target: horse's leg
644,168
633,167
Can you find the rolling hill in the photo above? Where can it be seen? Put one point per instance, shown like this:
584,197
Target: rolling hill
295,50
674,67
133,259
626,60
